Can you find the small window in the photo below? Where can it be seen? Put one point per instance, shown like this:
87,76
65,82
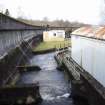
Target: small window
54,34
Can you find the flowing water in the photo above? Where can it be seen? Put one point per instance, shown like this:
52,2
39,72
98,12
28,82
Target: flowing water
54,86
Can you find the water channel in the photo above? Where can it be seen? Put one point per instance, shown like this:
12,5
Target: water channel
54,85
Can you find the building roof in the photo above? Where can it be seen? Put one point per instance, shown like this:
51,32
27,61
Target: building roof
97,32
10,23
56,31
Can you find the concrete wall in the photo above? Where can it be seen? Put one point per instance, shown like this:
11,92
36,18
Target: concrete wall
11,39
90,54
14,49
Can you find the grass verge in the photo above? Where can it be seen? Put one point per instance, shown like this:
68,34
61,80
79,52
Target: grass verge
51,45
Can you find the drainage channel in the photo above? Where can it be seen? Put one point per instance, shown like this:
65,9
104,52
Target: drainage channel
54,86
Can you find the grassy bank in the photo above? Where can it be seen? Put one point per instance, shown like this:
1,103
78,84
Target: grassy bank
50,45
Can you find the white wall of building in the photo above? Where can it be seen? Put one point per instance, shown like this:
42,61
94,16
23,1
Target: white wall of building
90,54
76,49
54,35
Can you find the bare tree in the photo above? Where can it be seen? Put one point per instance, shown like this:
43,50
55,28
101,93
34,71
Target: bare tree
1,8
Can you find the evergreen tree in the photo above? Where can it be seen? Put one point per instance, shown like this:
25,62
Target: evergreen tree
7,12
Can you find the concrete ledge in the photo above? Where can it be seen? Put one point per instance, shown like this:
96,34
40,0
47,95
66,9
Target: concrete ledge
28,68
58,60
94,91
21,94
87,87
43,51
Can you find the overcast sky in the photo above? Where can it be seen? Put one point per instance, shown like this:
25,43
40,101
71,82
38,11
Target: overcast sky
88,11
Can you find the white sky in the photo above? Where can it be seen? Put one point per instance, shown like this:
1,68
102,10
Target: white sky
87,11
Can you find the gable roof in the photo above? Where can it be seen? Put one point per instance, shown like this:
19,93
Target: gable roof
97,32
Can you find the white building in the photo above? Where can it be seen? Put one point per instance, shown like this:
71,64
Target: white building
54,35
88,50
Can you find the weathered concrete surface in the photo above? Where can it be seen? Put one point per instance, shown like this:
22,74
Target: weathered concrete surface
14,32
9,62
21,94
88,87
28,68
11,39
10,93
16,40
16,49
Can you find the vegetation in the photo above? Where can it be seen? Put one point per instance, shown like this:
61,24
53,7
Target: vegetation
45,21
7,12
50,45
56,23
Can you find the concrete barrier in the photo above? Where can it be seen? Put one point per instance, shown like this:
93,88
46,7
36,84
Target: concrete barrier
84,86
21,94
27,68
